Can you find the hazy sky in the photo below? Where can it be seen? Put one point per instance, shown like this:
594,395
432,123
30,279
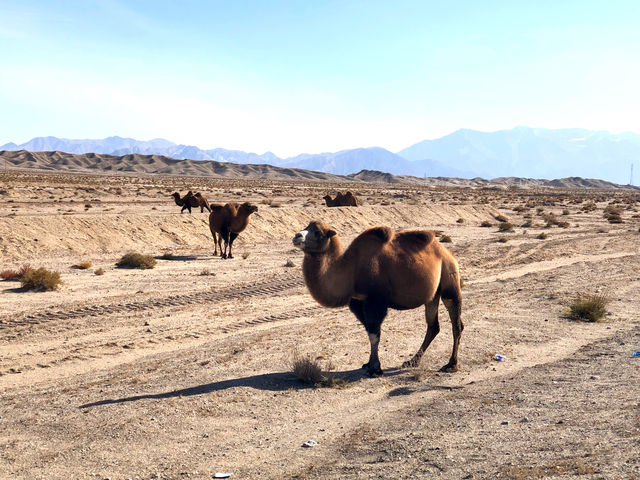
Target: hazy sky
312,76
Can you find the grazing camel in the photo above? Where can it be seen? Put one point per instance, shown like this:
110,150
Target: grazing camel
191,200
383,269
227,222
341,200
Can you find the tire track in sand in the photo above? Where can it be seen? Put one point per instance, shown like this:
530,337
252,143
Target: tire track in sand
246,290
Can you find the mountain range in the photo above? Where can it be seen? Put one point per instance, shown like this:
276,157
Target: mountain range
518,152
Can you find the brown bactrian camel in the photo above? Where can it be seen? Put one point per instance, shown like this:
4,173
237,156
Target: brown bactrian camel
191,200
341,200
383,269
227,222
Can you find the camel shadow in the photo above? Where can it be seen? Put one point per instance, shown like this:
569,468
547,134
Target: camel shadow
275,382
177,258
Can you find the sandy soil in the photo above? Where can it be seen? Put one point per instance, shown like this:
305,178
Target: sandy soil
185,370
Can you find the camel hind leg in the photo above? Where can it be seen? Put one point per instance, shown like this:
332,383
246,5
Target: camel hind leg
433,327
454,307
215,244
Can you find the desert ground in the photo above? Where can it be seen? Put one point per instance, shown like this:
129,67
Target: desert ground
185,370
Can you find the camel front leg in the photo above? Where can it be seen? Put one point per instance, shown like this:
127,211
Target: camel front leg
433,327
371,312
232,237
224,234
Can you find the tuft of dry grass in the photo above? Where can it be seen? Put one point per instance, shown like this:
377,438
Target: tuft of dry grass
486,223
166,256
542,236
289,263
40,279
445,239
503,240
309,371
136,260
245,255
9,275
460,220
505,227
501,218
13,275
99,271
588,307
82,265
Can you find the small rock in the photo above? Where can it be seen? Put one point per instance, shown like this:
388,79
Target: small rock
309,444
524,420
505,422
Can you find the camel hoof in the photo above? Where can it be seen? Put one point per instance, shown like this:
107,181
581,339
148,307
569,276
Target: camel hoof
223,256
449,368
230,256
410,363
372,371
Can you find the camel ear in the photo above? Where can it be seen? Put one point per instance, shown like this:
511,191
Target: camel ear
331,233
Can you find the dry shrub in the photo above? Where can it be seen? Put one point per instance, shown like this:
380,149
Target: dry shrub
565,212
542,236
445,239
486,223
9,275
136,260
309,371
460,220
289,263
588,307
166,256
40,279
501,218
245,255
82,265
505,227
99,271
503,240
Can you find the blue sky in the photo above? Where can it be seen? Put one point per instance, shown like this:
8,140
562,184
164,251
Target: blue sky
312,76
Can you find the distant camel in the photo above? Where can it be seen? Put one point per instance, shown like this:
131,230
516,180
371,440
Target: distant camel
346,200
383,269
227,222
191,200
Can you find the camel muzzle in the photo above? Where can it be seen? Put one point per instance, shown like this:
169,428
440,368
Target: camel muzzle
298,240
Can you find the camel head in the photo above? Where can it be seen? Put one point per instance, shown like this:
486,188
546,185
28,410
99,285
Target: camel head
248,208
315,238
327,197
175,195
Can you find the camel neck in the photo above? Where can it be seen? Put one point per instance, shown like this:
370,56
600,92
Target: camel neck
325,275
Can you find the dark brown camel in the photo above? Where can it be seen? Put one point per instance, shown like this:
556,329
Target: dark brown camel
383,269
227,222
191,200
341,200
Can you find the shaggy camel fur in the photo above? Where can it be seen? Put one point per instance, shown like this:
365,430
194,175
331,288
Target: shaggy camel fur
191,200
228,221
346,200
383,269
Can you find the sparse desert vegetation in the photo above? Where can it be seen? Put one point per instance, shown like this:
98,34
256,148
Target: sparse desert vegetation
40,279
205,345
137,260
589,307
